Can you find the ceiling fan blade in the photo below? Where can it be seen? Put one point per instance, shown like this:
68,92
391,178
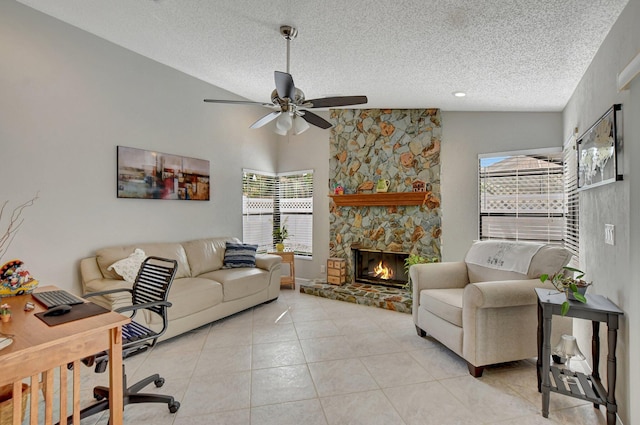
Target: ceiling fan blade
316,120
284,85
328,102
266,119
240,102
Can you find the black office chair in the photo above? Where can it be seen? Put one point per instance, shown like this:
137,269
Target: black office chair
149,292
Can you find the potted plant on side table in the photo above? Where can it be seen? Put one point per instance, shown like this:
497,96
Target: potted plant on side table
570,282
279,235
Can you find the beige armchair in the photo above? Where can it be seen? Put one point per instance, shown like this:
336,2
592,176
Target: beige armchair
484,308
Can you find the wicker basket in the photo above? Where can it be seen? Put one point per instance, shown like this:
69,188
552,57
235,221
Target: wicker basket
6,403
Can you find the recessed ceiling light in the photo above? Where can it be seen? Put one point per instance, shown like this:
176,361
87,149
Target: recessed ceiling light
459,94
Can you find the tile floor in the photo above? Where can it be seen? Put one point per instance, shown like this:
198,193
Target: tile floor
330,362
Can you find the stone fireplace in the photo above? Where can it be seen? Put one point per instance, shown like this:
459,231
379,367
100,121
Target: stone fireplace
401,146
379,267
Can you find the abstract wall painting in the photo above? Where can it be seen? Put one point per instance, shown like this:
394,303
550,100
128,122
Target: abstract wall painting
148,174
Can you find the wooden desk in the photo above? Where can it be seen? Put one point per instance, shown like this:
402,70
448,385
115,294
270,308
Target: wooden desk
287,258
38,348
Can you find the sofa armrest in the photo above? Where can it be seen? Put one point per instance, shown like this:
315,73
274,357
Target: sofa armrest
505,293
268,261
89,270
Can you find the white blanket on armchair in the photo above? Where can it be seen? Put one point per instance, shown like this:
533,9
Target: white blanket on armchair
514,256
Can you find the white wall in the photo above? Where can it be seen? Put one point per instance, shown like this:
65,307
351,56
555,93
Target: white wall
615,269
310,150
67,98
464,136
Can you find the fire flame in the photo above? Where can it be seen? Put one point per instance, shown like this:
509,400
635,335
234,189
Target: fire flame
382,272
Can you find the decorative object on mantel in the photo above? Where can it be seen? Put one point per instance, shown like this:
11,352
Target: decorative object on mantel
574,287
419,186
382,186
339,190
600,151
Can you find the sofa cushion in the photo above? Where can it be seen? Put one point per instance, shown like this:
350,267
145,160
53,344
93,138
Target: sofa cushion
240,282
237,255
174,251
444,303
206,255
129,267
188,296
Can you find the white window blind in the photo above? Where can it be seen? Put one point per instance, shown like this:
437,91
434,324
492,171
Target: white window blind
269,200
522,196
258,201
571,203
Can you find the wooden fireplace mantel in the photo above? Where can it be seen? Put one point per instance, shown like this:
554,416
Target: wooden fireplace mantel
380,199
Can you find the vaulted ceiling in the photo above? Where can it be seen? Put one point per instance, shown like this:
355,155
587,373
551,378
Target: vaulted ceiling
505,55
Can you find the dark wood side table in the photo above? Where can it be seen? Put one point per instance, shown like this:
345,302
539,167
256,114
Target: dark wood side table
597,309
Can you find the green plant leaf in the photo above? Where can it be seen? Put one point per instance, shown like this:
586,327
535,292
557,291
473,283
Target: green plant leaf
578,296
573,288
571,269
544,277
565,308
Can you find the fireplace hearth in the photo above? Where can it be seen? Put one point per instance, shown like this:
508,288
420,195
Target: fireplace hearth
379,267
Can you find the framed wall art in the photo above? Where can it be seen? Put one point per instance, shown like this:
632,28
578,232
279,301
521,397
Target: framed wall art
600,151
155,175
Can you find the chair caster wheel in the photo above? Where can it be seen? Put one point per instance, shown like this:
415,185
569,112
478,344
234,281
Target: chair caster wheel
159,382
173,407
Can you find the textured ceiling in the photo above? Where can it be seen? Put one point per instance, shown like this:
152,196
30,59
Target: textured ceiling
508,55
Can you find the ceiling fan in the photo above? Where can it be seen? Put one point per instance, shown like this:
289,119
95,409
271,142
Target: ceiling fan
290,108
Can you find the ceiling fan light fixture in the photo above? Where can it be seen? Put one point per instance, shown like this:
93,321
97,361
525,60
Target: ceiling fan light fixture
299,125
284,122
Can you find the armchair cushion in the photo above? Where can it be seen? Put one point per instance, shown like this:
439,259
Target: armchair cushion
444,303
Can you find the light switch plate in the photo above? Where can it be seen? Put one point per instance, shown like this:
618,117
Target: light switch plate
609,234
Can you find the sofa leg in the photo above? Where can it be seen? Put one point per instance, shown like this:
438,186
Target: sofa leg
475,371
421,333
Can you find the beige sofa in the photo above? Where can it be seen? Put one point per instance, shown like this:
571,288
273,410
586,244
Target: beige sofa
202,290
484,314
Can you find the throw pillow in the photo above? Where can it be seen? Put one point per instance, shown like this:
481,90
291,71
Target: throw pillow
128,267
239,255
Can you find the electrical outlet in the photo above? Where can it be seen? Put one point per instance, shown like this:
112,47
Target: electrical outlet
609,234
323,268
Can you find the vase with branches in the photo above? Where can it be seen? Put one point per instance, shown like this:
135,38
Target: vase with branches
15,222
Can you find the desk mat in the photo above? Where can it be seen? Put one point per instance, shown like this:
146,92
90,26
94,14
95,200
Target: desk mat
78,311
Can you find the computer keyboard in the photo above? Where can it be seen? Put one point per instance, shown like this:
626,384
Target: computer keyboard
56,297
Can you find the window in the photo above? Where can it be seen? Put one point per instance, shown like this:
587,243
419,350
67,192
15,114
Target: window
272,200
571,203
522,196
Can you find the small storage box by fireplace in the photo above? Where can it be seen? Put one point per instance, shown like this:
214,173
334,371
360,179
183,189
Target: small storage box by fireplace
336,271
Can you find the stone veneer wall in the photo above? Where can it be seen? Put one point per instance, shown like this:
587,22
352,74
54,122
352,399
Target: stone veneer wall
401,145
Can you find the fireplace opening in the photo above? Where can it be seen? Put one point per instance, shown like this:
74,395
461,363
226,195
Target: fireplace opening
379,267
